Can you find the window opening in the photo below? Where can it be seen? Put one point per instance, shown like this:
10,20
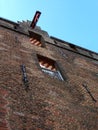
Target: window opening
36,39
49,66
35,42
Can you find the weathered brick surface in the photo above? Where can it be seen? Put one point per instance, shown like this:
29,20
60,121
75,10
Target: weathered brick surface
48,103
3,109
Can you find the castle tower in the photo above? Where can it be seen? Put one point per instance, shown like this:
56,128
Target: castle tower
45,83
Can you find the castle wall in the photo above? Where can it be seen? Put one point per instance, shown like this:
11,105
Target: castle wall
45,102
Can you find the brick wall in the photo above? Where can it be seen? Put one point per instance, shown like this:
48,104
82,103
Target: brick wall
4,112
48,103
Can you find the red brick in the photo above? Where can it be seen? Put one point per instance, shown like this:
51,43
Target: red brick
48,103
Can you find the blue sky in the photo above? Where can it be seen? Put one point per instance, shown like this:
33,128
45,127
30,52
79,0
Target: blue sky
75,21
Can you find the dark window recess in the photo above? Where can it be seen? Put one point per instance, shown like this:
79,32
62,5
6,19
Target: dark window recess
35,19
36,39
88,91
15,26
73,47
49,67
24,75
